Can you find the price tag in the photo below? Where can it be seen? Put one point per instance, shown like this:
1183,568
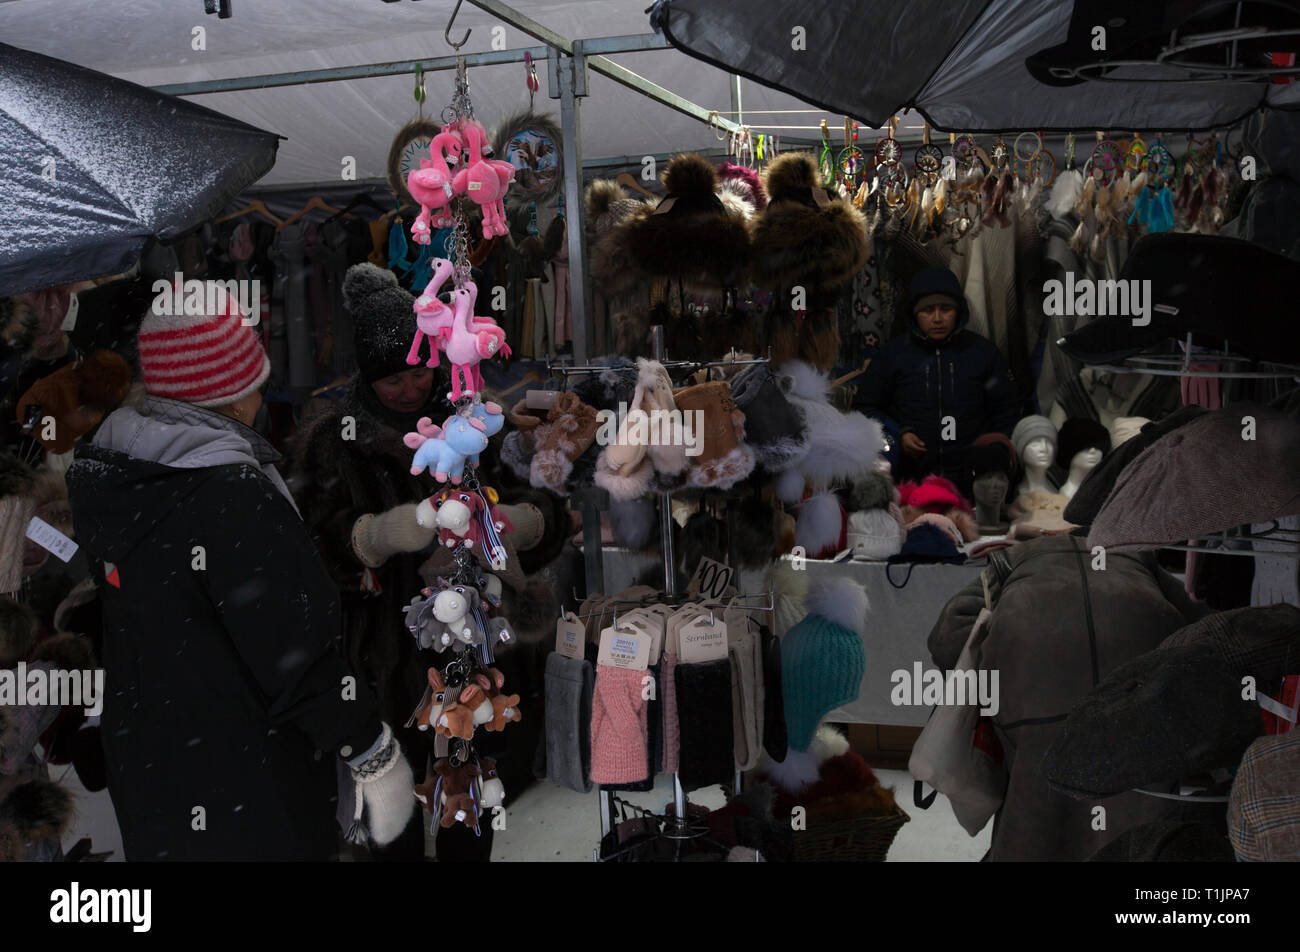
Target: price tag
703,640
624,648
711,579
475,186
70,319
649,625
48,537
570,636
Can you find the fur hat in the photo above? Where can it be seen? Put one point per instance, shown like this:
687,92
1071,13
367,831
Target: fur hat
992,453
18,625
693,235
1078,434
821,526
36,810
383,320
746,182
804,236
724,458
613,271
839,446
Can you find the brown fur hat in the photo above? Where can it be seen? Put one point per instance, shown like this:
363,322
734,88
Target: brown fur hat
66,650
799,240
693,235
815,339
613,272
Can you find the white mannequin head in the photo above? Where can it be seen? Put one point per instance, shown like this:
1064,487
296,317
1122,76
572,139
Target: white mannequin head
1038,454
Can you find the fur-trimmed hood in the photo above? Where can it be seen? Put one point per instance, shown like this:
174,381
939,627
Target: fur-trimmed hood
805,236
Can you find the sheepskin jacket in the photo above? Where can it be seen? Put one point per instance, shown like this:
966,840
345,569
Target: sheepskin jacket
1059,626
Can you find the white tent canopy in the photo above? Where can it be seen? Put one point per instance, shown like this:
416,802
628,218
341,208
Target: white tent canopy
150,42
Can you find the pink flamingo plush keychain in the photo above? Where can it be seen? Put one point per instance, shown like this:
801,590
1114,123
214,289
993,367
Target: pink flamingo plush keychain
431,185
484,181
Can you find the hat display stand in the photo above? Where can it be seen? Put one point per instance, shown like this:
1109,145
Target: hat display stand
677,827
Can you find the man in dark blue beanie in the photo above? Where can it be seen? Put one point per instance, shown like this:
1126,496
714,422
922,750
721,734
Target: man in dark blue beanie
939,370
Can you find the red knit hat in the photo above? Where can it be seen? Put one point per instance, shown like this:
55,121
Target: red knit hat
208,360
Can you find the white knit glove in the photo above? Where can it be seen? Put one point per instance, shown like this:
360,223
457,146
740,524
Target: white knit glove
383,792
375,538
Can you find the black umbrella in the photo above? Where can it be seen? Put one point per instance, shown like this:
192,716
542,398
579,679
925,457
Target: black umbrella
91,167
1003,65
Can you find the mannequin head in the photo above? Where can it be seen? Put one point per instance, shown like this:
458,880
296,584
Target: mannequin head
1038,454
1084,460
991,489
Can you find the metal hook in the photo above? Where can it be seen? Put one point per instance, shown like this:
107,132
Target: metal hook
446,34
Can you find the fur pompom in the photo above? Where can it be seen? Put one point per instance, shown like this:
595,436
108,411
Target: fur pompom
820,525
632,522
38,810
801,769
549,469
690,175
532,612
753,532
789,174
806,381
789,485
840,600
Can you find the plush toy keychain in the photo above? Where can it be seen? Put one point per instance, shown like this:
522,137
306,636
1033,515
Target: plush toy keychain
444,450
431,185
483,180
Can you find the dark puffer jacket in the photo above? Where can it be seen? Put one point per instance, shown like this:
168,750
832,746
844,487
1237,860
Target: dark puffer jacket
915,383
1059,626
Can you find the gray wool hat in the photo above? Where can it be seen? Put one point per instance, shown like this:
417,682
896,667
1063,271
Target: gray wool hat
1031,428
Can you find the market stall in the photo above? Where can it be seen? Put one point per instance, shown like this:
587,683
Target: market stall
637,424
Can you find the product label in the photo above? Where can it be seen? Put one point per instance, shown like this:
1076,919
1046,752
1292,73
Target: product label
703,640
475,186
570,636
48,537
624,648
650,626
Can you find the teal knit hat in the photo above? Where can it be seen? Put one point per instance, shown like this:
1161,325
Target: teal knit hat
822,658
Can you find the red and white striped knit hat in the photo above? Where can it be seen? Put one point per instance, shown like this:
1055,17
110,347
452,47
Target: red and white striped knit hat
208,360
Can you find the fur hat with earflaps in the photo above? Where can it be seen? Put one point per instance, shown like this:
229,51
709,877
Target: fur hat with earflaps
805,236
694,235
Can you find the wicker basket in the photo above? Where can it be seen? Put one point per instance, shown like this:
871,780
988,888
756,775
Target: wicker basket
858,839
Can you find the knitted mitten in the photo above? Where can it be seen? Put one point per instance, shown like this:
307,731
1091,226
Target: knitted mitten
383,793
619,735
377,537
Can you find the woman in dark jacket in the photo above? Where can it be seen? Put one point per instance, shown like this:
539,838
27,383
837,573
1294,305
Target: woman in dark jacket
938,370
227,697
351,474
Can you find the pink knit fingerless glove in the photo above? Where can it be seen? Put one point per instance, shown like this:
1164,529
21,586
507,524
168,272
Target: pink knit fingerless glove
618,727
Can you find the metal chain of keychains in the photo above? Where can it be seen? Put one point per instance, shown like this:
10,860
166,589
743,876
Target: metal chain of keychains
460,109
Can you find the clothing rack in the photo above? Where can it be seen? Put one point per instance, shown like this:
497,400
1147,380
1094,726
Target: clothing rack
1182,366
1217,544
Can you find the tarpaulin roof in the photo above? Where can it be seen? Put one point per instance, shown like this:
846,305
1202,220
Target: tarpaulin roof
93,166
151,42
960,63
